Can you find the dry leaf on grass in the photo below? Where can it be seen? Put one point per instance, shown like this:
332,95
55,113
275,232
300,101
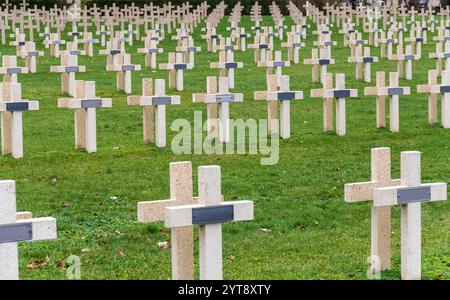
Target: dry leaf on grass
37,264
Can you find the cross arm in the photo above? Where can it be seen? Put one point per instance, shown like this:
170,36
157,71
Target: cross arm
22,105
423,88
152,211
363,59
198,98
150,50
85,103
123,68
317,93
188,49
226,65
182,216
13,70
363,191
42,228
340,93
159,100
389,196
34,53
67,69
260,95
224,97
284,95
274,64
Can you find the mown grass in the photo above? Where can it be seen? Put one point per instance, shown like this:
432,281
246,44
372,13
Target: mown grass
313,233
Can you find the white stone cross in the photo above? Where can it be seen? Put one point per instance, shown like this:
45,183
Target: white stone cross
394,91
160,100
10,70
84,104
363,60
433,89
340,93
31,55
317,61
13,231
410,194
150,50
68,68
123,70
176,68
210,213
182,239
11,107
285,96
227,65
380,216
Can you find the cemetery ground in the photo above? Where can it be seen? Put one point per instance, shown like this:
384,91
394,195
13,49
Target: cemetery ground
303,229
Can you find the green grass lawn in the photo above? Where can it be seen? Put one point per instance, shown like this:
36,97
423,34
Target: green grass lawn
313,233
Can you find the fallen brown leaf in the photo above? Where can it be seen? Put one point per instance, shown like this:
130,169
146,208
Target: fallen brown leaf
37,264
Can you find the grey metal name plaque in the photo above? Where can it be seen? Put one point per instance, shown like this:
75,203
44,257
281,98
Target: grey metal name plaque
447,38
180,66
94,103
244,35
325,32
447,55
161,100
324,61
263,46
231,65
90,41
214,36
155,39
395,91
419,40
123,40
57,42
257,28
341,94
286,96
229,48
115,52
409,57
22,43
351,31
224,98
10,233
17,106
75,52
128,68
271,34
367,60
191,49
75,33
359,42
329,43
212,214
445,89
297,45
33,53
152,50
305,26
414,195
278,64
389,41
72,69
14,70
